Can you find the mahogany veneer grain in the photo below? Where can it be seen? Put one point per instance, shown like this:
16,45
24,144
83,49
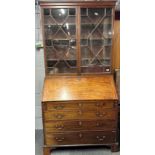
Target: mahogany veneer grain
70,88
79,109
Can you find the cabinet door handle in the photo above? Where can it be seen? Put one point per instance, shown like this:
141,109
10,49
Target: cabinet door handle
59,107
100,138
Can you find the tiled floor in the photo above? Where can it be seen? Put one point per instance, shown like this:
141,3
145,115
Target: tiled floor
70,151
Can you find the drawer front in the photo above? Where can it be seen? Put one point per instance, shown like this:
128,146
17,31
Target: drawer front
79,105
110,114
73,138
59,126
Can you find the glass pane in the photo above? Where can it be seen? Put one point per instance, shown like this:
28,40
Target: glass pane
60,40
84,12
71,12
96,39
46,12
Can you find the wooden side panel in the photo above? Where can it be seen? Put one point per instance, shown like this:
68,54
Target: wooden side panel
116,46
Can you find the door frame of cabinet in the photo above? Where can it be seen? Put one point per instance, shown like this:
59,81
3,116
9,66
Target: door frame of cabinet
43,33
77,6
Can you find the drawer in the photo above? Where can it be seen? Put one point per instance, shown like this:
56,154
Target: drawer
87,137
79,105
110,114
59,126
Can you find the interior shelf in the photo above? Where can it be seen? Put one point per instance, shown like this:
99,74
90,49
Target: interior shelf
62,59
76,60
82,38
74,24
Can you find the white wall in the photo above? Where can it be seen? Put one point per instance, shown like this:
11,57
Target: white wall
39,70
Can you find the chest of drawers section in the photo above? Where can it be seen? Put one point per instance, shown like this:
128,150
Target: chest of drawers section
79,122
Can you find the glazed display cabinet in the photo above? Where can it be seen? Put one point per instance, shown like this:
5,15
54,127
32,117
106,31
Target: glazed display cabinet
77,39
79,96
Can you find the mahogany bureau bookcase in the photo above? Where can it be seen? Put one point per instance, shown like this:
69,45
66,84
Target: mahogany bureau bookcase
79,98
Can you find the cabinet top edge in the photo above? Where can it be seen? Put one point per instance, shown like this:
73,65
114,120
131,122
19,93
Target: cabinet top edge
98,2
75,1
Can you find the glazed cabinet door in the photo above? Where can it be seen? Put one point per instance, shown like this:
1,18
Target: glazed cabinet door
77,39
59,28
96,39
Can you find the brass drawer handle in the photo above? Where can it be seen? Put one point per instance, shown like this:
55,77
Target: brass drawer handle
100,104
59,127
80,135
101,138
115,104
80,104
59,116
80,112
59,107
99,124
80,123
98,114
59,139
97,104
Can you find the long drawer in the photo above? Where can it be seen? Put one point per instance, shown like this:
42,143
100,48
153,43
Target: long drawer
110,114
59,126
84,105
73,138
